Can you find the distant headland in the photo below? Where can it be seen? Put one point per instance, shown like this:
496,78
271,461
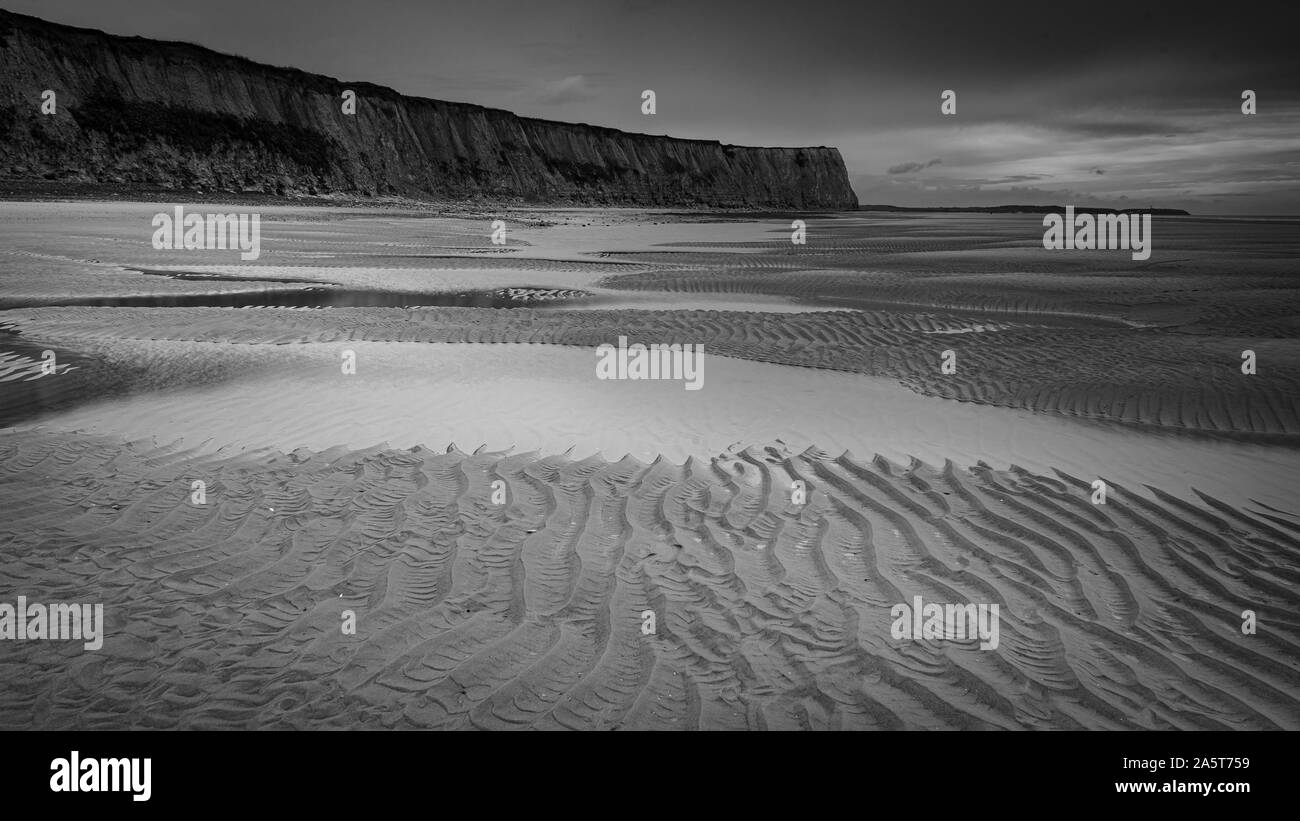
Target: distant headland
1025,209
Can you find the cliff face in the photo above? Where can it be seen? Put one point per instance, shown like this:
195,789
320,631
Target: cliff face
171,115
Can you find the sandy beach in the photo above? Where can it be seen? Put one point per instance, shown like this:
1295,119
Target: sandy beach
499,520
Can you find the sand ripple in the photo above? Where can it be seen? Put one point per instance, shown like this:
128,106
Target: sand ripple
528,614
1139,377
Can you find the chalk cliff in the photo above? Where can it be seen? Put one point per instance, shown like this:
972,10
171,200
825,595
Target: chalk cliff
148,113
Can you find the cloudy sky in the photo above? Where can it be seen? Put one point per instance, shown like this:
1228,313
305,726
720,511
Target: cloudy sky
1057,102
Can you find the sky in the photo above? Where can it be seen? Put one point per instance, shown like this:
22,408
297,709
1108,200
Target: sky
1086,103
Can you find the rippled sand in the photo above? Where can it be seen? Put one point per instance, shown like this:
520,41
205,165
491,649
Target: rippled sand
329,492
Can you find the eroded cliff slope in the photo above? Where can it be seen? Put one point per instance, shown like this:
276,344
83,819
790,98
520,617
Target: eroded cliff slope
141,112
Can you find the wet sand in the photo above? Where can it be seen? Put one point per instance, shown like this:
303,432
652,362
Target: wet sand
373,492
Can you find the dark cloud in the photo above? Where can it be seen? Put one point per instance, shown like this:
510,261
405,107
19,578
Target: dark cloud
1011,179
912,167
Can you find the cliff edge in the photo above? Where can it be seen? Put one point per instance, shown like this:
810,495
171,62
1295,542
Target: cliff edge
138,112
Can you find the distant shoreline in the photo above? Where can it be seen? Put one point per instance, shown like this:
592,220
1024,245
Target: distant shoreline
12,190
1024,209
